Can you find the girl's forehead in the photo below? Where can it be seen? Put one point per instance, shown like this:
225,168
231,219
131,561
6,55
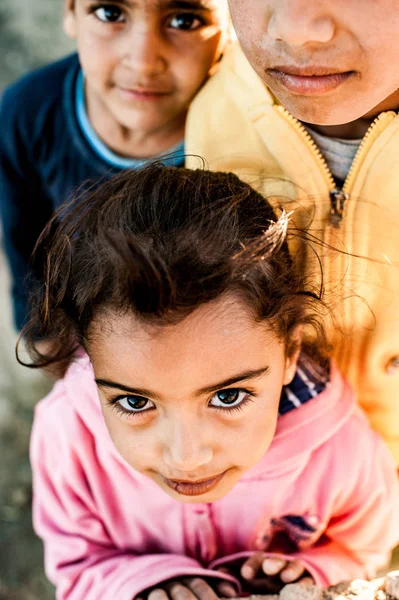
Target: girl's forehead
221,315
211,346
223,327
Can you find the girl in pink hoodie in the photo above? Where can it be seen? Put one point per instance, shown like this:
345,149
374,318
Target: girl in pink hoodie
192,448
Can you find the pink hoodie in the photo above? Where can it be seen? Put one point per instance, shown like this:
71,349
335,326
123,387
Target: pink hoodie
327,482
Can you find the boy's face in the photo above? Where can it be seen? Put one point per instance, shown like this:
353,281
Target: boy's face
193,406
144,60
328,61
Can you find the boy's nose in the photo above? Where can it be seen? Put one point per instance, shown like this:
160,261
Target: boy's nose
301,22
144,54
185,452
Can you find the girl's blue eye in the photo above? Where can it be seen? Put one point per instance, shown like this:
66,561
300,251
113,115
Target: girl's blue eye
229,398
109,14
134,404
185,22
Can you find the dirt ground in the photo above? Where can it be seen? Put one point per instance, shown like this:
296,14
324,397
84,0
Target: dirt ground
30,35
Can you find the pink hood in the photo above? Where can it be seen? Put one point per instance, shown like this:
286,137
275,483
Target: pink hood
327,484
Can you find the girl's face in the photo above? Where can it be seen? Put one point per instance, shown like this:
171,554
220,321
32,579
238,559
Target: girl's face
193,405
144,60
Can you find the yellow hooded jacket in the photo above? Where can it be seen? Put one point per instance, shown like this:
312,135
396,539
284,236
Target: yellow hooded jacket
237,125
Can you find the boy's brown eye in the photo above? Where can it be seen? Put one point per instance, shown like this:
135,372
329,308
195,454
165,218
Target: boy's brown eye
109,13
186,22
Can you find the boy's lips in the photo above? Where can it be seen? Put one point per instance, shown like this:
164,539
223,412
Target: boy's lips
309,81
194,488
143,93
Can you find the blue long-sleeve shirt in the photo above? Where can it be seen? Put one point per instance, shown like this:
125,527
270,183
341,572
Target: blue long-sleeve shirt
47,152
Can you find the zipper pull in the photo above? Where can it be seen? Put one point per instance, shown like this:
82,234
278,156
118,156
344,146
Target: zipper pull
337,198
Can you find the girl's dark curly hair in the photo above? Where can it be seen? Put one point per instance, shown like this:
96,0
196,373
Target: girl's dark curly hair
161,242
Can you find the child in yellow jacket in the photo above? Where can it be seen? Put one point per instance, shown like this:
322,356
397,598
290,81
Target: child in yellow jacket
312,117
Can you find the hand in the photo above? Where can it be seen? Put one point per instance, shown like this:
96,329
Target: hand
265,574
190,588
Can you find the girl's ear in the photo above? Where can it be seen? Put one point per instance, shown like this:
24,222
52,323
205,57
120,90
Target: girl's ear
291,359
69,21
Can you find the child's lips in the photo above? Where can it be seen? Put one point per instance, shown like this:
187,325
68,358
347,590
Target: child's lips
194,488
143,93
314,81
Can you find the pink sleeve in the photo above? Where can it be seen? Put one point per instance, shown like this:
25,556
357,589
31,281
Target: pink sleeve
365,527
80,558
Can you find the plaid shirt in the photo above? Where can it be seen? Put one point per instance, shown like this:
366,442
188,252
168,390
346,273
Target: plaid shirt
309,381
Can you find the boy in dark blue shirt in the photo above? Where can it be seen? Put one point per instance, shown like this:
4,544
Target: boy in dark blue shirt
118,103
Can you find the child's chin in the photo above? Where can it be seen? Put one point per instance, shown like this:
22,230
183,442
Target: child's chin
326,112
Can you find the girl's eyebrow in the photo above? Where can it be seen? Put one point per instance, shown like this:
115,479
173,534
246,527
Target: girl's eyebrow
251,374
107,383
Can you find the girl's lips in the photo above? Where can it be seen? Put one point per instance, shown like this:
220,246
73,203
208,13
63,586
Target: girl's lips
194,488
307,84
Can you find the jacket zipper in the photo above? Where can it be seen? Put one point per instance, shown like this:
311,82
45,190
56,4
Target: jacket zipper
339,196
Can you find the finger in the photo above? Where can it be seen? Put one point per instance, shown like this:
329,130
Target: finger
200,589
179,591
226,590
252,565
158,594
292,572
307,580
273,566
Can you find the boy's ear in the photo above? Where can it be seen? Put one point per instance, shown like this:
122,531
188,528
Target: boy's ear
294,349
69,22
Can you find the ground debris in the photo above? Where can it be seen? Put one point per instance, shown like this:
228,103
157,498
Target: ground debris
385,588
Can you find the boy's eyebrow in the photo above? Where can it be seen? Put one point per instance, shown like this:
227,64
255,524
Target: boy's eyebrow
188,4
245,376
173,4
122,2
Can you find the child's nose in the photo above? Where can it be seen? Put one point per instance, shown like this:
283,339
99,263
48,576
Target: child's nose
144,53
185,452
301,22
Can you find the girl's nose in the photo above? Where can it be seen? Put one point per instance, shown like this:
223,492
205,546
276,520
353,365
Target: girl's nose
185,452
301,22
